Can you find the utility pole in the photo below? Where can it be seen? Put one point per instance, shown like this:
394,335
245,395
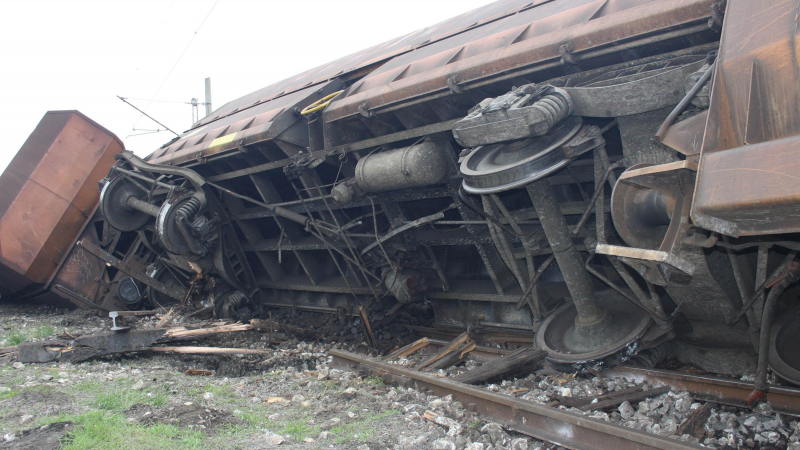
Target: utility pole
208,96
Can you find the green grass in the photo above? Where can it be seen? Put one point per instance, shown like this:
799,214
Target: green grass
43,331
476,423
299,429
121,399
9,394
15,338
360,430
97,430
257,418
373,380
222,394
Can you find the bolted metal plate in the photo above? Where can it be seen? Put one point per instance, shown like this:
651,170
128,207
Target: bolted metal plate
499,167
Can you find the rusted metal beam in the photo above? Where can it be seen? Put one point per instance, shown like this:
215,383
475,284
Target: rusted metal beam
344,149
542,422
174,292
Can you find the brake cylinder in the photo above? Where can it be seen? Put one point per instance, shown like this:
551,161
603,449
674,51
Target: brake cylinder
421,164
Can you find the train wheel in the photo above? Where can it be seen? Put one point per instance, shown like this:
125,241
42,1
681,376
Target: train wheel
784,358
614,342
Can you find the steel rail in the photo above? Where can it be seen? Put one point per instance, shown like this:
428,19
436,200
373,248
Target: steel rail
549,424
702,387
712,389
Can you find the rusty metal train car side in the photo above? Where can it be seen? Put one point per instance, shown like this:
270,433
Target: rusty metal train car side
49,194
605,178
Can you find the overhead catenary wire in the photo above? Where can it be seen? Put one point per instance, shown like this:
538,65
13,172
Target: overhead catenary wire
148,116
176,63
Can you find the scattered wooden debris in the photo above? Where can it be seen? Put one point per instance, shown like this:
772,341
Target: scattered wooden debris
454,357
94,345
183,333
212,350
8,350
694,424
407,350
200,372
453,427
446,350
522,359
167,319
611,399
367,326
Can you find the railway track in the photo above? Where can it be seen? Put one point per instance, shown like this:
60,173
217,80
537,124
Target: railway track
555,425
702,387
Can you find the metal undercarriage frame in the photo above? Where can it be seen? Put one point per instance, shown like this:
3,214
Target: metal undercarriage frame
478,275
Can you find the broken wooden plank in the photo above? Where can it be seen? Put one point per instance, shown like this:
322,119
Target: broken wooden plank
367,326
446,350
8,350
615,398
453,427
94,345
573,402
694,424
453,358
212,350
200,372
520,360
167,319
409,349
183,333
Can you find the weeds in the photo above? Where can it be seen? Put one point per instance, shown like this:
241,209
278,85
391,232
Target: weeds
299,429
9,394
121,399
374,380
15,338
361,429
43,331
104,431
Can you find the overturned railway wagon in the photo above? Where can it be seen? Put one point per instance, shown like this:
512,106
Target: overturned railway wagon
605,178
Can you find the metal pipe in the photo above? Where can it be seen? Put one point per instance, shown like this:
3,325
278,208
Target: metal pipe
673,116
597,192
143,206
761,287
569,260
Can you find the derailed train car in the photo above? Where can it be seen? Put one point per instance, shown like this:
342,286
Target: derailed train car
600,176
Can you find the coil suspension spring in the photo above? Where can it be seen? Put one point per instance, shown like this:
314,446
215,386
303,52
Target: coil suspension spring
555,107
189,209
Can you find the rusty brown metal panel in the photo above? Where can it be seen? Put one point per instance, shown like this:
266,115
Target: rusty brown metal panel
262,122
747,183
51,189
751,190
586,26
362,62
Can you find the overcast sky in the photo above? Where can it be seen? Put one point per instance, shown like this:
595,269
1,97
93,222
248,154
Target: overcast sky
82,54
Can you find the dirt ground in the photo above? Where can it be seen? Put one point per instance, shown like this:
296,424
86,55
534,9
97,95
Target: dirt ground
290,398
